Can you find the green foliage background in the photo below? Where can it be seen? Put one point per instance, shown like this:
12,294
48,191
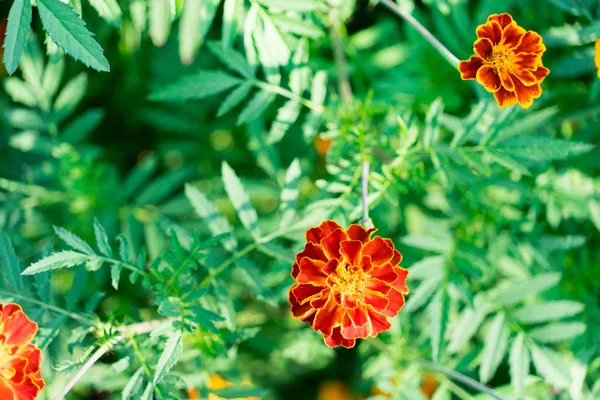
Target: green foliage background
170,192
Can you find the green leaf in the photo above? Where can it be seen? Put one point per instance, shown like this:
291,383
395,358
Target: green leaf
115,274
548,311
557,332
70,96
21,92
63,259
66,28
422,294
439,321
289,194
125,250
427,267
9,264
231,59
494,348
428,243
240,200
235,392
542,148
196,18
297,26
73,240
17,28
196,86
159,18
469,322
235,98
134,384
211,217
256,106
519,364
295,5
231,12
286,116
253,277
518,291
572,35
148,392
551,365
82,125
109,10
163,186
573,7
138,176
205,318
169,356
594,207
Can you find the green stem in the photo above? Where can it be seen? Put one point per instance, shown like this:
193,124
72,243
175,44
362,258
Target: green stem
443,50
217,271
57,310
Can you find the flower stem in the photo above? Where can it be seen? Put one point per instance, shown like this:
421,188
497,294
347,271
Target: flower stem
443,50
366,221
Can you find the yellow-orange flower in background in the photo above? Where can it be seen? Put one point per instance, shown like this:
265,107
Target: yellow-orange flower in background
507,61
20,373
216,382
347,284
597,59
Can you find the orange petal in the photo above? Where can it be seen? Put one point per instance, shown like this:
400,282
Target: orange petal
468,69
379,322
483,47
503,19
541,73
18,329
8,310
526,61
358,316
397,256
526,77
384,273
379,251
526,94
504,98
366,264
316,234
352,331
375,300
357,232
300,310
378,286
351,251
311,271
331,243
531,43
400,283
6,391
331,266
336,339
349,301
305,292
27,390
328,317
396,303
487,77
505,79
491,30
512,35
19,365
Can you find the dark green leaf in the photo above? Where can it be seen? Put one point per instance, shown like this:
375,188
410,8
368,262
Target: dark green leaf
196,86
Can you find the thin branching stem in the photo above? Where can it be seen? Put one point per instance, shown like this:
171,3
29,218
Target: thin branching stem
443,50
52,308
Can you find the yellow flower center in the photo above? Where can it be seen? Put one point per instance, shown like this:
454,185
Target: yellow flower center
348,279
500,57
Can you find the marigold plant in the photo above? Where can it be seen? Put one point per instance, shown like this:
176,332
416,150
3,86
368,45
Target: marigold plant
20,371
507,61
348,285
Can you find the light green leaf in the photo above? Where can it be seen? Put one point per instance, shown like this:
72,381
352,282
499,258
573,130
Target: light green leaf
134,384
295,5
148,392
63,259
73,240
109,10
573,7
231,12
160,18
542,148
297,26
469,322
429,243
256,106
289,194
53,74
211,217
9,264
551,365
70,96
427,267
557,332
594,207
235,98
231,59
516,292
17,28
422,294
125,250
572,35
102,239
548,311
115,274
439,320
21,92
205,318
66,28
519,364
240,200
169,356
196,19
494,348
200,85
286,116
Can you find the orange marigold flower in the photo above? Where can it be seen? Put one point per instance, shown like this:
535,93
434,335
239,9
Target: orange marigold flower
597,59
347,284
507,61
217,382
20,373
